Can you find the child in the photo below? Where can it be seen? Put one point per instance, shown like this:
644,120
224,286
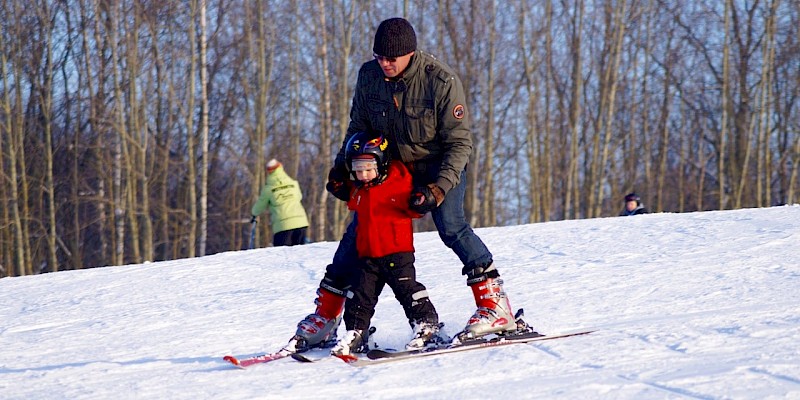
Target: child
380,198
633,206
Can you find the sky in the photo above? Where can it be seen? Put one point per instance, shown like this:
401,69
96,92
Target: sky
702,305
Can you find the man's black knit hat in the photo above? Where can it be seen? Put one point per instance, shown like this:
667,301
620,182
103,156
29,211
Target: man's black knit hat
395,37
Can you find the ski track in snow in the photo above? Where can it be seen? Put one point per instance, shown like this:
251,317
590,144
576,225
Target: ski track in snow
696,306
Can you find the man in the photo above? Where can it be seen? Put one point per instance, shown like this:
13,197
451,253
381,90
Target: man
419,103
633,206
282,195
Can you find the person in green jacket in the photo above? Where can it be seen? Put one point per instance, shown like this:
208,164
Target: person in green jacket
282,195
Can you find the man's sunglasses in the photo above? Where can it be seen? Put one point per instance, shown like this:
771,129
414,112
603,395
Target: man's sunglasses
386,59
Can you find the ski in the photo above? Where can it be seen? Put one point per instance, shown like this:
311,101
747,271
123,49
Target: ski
283,353
264,358
286,351
378,356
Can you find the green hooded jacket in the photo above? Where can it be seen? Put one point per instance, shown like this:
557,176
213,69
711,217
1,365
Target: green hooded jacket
423,113
282,194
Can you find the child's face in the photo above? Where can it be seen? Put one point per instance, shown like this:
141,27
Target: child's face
365,169
367,175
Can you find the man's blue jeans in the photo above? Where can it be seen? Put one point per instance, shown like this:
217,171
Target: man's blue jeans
453,229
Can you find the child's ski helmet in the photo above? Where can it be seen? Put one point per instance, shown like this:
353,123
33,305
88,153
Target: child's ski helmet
363,143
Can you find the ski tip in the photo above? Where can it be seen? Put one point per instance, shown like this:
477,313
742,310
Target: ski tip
348,358
233,360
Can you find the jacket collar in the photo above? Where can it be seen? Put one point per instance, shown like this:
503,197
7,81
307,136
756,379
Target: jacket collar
277,175
412,69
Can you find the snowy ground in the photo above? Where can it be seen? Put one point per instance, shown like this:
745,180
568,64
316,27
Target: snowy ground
697,305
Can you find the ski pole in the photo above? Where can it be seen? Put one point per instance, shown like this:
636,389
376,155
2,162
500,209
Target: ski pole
252,235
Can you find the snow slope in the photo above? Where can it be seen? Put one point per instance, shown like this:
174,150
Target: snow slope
699,305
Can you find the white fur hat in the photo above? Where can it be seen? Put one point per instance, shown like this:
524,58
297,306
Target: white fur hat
273,164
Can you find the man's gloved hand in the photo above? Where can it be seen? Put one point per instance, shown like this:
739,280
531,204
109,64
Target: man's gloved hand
337,182
426,198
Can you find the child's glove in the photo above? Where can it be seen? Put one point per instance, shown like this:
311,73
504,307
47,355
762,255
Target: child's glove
337,183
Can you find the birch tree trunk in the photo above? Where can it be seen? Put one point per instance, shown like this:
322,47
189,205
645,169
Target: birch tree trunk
97,107
325,115
13,129
6,236
572,195
45,90
112,18
616,37
131,126
547,191
488,212
723,133
203,131
527,51
663,129
349,11
764,162
191,158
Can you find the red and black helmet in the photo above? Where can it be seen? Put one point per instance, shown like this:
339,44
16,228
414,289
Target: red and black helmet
364,143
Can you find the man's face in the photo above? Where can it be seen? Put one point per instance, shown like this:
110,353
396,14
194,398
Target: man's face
393,66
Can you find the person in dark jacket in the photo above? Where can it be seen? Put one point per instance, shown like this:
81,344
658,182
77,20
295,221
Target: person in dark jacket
420,104
385,244
633,205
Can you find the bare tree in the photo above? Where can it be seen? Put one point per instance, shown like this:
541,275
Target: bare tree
191,156
572,195
108,110
487,208
203,131
324,105
765,163
13,134
612,53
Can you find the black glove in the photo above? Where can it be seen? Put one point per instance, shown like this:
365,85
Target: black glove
337,183
254,220
339,172
425,198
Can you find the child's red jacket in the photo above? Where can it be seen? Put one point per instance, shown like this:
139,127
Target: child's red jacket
384,218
